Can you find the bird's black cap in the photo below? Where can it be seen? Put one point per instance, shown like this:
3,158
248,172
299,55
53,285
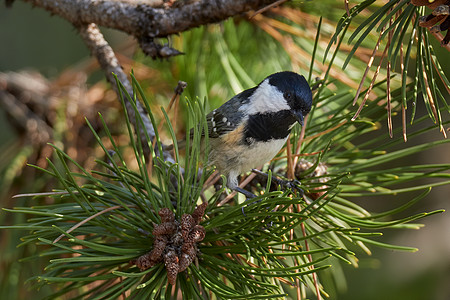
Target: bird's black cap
295,89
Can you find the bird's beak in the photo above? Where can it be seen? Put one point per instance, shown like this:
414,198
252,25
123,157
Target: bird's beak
299,116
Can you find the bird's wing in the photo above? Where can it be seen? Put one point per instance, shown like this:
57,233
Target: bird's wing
218,124
229,116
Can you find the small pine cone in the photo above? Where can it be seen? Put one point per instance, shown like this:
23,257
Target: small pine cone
199,212
187,223
172,266
158,248
196,235
166,215
144,262
164,228
302,166
321,169
176,239
187,257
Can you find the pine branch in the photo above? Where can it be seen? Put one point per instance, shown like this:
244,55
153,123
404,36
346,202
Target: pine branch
146,22
226,255
109,63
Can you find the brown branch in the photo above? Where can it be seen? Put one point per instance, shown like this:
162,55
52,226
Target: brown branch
109,63
37,130
26,98
143,21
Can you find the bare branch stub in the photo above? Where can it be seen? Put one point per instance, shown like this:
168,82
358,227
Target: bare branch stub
181,86
155,50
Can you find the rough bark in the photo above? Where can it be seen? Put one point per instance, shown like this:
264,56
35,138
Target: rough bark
142,20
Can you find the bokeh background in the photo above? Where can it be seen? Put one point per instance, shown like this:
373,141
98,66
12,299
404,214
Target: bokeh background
32,40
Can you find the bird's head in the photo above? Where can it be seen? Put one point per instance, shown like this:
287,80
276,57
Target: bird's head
283,91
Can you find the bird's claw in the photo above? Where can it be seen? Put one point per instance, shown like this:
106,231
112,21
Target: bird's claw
293,185
242,208
268,225
290,184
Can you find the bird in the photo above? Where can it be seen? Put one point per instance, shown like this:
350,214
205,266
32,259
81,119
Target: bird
248,130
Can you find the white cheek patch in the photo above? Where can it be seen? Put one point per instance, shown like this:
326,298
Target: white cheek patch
266,98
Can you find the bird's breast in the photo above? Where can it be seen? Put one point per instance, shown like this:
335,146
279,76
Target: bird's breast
241,157
259,153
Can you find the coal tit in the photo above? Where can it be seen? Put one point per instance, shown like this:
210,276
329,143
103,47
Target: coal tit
251,128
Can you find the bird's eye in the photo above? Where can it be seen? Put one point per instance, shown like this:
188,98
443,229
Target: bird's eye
304,111
287,95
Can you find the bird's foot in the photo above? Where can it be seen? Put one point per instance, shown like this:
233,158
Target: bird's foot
293,185
246,193
249,196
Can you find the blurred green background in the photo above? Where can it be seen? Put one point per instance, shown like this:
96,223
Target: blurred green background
32,40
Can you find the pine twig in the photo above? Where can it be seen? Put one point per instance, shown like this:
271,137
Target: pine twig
347,9
369,90
85,221
369,64
110,65
388,85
